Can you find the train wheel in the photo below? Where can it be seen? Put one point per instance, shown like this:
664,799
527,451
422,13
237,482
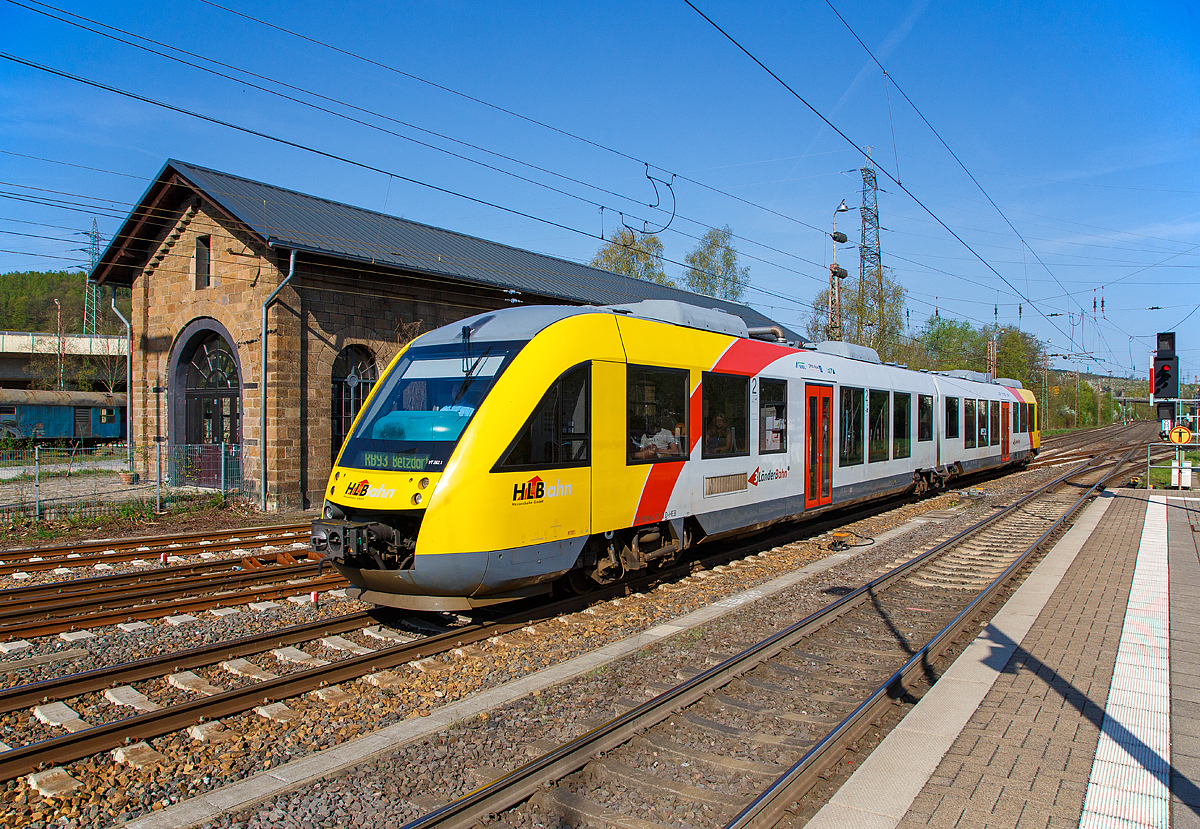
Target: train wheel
579,582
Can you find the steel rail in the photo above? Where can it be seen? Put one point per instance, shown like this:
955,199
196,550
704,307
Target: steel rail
78,745
82,744
16,697
54,605
523,782
774,801
48,627
157,574
107,549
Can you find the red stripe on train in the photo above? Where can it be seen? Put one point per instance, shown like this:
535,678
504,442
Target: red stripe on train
657,492
750,356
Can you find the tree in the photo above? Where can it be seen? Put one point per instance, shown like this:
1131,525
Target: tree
872,314
713,266
633,254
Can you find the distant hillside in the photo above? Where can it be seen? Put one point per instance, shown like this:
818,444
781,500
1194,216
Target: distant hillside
27,302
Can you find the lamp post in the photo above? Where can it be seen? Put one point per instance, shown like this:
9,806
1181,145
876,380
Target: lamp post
833,329
58,305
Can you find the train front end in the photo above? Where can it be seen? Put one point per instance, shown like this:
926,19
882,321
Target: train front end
404,519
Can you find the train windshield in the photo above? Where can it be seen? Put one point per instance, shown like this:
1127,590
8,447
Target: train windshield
422,406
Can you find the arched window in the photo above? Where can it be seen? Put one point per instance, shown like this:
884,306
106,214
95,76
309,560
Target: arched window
352,378
213,393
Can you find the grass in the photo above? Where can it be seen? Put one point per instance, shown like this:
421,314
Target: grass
1160,473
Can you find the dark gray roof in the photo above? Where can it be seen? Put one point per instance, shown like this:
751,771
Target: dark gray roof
290,219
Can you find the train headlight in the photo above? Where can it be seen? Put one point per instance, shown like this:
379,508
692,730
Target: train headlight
423,483
416,499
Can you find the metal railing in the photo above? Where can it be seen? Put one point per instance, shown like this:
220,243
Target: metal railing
57,483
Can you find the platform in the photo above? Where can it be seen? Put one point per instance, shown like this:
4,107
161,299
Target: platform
1079,705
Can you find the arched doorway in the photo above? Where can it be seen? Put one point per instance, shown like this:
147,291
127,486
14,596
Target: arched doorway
351,380
206,408
214,394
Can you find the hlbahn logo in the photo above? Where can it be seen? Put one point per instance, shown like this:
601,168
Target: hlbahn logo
363,489
761,477
535,490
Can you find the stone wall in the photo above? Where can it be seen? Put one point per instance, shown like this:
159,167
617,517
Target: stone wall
328,306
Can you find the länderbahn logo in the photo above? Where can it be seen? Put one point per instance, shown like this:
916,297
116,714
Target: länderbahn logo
760,476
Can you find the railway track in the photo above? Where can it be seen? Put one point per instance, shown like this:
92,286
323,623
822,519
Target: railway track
112,551
58,607
385,657
380,664
762,726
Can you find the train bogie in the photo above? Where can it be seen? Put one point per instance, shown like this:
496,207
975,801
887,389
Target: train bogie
501,454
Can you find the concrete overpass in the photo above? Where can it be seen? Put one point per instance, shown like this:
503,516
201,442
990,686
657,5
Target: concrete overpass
18,348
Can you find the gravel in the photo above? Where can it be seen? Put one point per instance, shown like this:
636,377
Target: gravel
437,769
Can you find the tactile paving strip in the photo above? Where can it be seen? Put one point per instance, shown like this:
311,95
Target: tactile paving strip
1129,782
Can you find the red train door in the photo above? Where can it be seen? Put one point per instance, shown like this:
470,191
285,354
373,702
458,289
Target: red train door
818,449
1005,430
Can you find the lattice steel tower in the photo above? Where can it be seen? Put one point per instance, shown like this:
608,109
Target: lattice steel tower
91,294
870,259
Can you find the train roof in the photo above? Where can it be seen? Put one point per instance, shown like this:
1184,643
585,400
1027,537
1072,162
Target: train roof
322,227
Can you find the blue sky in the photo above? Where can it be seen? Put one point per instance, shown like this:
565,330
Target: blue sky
1081,124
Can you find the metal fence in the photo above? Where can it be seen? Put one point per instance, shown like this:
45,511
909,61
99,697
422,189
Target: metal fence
62,482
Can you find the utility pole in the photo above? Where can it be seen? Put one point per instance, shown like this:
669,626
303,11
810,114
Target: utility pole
58,305
91,294
870,274
833,328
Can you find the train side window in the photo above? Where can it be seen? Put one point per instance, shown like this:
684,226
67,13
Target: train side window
880,419
772,416
850,428
995,421
726,415
901,425
8,414
203,261
969,432
981,419
951,417
556,434
924,417
657,424
108,415
1025,417
1033,427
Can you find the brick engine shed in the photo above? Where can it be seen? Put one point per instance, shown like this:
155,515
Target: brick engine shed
203,251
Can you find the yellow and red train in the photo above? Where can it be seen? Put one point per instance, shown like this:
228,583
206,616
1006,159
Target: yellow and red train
519,447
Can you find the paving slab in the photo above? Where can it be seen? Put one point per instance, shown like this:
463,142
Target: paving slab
387,635
129,696
295,656
138,756
223,612
180,620
261,607
276,711
246,668
76,635
61,715
131,627
333,695
339,643
53,782
968,754
189,681
209,732
14,646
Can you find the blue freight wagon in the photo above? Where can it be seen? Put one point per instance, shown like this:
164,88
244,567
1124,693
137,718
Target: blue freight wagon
86,417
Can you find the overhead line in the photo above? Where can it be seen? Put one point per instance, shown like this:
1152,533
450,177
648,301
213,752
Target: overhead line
852,143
